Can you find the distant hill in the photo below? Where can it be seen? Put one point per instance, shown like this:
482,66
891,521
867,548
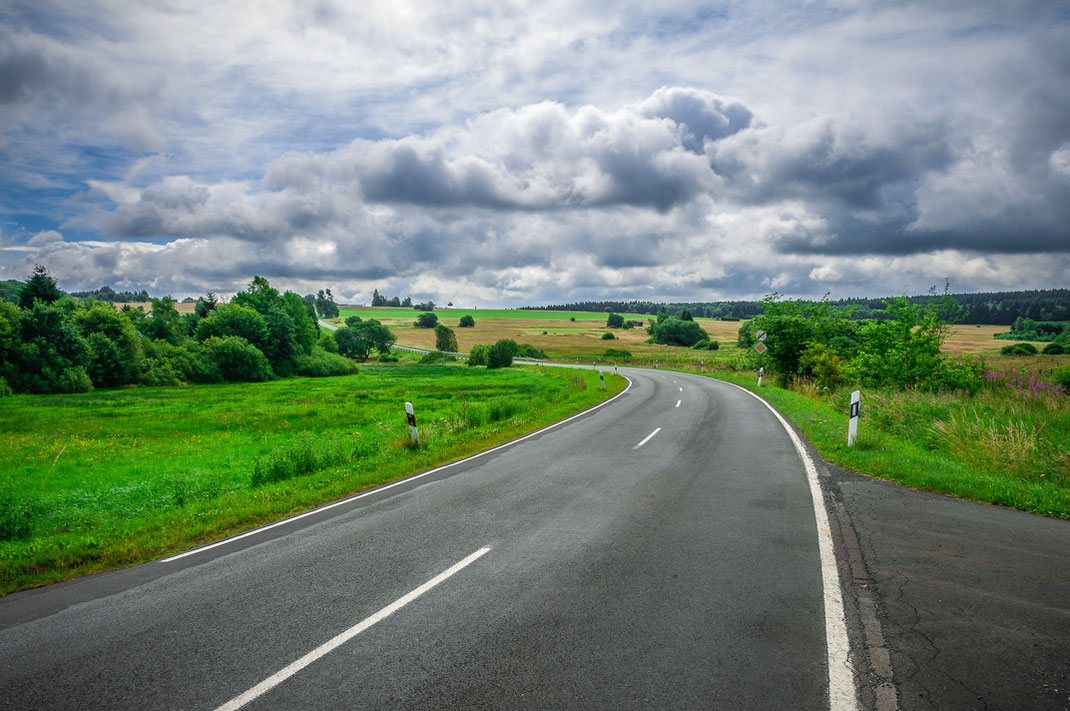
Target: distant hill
997,307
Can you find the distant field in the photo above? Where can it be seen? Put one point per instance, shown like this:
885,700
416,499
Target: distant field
146,306
553,332
550,331
105,479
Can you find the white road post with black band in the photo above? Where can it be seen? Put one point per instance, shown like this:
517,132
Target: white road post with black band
856,410
413,432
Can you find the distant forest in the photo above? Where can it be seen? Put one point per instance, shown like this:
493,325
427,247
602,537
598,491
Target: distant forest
1000,308
997,308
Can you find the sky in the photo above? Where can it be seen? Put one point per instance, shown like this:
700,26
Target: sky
510,153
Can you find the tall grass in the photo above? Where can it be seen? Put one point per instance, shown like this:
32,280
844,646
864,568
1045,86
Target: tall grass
1001,445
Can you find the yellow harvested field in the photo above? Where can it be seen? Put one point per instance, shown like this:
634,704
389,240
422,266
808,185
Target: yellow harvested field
146,306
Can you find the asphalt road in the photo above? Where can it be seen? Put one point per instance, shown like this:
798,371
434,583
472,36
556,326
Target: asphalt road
680,574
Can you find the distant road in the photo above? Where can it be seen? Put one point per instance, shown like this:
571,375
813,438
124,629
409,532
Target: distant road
659,552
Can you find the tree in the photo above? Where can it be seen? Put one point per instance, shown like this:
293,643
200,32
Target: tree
116,356
52,356
672,331
615,321
445,339
426,320
40,285
358,338
377,300
685,315
467,322
428,306
164,323
205,304
325,305
235,320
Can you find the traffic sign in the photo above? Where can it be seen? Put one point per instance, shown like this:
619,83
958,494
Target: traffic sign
759,336
761,348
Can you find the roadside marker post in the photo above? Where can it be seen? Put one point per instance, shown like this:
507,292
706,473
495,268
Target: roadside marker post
856,410
603,377
761,372
413,432
761,348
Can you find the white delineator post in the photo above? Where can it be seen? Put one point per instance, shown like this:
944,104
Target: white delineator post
761,372
856,410
603,377
413,432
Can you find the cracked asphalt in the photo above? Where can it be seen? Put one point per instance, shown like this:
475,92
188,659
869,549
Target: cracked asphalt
973,600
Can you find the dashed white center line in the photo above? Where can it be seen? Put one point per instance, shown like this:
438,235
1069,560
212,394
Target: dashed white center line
678,403
278,677
647,438
681,389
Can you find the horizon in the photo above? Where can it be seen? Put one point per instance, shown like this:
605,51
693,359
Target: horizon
538,153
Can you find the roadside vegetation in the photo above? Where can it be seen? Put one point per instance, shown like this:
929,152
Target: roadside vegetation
52,343
98,480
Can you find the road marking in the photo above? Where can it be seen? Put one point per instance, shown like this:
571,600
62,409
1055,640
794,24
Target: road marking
399,482
647,438
327,647
842,694
678,403
681,389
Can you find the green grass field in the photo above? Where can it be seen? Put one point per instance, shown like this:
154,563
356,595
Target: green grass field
111,478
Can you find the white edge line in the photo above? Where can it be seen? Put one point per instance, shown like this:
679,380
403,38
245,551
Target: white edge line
399,482
647,438
842,694
329,646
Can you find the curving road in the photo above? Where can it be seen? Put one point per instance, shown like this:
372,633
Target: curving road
660,552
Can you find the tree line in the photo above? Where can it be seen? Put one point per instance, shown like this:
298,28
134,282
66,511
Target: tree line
997,308
53,343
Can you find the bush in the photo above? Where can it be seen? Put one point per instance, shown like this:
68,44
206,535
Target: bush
477,355
320,364
706,345
1062,376
615,321
526,350
388,358
426,320
501,353
1019,349
608,336
1053,349
617,353
237,359
5,389
466,322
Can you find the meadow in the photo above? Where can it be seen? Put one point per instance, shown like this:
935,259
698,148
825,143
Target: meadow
109,478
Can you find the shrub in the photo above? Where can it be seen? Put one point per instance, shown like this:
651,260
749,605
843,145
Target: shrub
477,355
617,353
607,336
388,358
571,318
466,322
320,364
1062,376
706,345
5,389
821,362
1053,349
501,353
426,320
526,350
237,359
615,321
1018,349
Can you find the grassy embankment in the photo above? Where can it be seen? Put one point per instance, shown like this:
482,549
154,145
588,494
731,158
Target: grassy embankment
1005,445
112,478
